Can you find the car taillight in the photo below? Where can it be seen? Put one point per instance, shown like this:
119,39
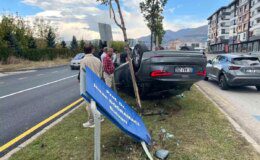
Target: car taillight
202,73
233,68
160,73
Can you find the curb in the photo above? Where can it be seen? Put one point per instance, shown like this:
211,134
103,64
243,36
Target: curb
45,129
237,126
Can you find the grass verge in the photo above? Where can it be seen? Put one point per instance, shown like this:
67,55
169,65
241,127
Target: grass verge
200,131
19,64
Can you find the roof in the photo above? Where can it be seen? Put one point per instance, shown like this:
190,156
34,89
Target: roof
216,12
224,7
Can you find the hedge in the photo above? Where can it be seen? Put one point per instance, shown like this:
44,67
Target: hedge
37,54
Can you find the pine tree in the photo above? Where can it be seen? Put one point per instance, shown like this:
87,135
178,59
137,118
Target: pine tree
51,37
74,43
63,44
82,44
32,43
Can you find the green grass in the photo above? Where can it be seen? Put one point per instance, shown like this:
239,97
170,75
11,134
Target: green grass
200,131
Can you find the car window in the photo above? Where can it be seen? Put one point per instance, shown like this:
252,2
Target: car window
222,59
79,56
246,61
215,60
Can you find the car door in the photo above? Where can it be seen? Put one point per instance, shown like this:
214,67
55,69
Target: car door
210,67
215,67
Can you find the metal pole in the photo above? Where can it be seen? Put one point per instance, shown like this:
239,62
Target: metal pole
97,117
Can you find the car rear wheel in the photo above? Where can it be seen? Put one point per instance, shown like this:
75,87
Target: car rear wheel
137,55
258,88
223,83
71,67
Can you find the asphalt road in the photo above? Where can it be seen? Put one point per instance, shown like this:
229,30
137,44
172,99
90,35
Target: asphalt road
28,98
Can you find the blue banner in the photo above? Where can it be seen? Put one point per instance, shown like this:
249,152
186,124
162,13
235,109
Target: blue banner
115,109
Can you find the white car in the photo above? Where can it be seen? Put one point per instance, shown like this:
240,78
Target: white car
75,62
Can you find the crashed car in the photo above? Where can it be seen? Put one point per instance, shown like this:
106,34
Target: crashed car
162,71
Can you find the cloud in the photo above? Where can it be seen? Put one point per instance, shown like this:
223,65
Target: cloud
81,18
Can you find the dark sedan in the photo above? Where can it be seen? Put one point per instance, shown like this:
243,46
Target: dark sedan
163,71
234,70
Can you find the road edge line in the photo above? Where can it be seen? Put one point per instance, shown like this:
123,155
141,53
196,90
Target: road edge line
37,126
232,121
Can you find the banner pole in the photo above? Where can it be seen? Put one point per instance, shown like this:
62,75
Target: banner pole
146,150
97,131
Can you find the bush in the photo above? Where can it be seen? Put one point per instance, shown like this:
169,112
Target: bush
38,54
118,46
4,54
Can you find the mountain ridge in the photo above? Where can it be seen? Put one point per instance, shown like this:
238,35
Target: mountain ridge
198,34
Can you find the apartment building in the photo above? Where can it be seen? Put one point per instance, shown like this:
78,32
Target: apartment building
238,27
218,35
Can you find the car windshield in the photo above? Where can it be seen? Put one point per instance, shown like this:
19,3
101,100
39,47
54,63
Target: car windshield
246,61
79,56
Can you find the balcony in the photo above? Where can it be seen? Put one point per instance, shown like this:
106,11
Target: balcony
256,5
256,16
255,27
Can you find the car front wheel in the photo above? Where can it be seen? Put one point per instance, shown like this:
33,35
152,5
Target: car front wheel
223,83
258,88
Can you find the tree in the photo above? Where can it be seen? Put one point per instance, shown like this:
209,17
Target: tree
74,43
152,12
32,43
82,44
63,44
50,38
121,25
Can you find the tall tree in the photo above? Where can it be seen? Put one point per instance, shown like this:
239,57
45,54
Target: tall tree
121,25
152,11
74,43
63,44
51,38
32,43
82,44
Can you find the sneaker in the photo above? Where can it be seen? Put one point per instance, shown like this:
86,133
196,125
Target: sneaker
102,119
89,125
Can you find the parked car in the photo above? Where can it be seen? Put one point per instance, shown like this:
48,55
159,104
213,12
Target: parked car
75,62
256,54
234,70
162,71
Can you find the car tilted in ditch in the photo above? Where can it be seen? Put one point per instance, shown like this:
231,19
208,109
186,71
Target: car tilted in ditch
162,71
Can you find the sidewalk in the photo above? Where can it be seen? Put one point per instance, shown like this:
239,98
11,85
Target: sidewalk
232,102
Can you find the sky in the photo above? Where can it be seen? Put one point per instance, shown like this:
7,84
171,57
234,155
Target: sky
81,17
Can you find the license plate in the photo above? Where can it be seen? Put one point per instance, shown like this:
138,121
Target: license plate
253,71
183,70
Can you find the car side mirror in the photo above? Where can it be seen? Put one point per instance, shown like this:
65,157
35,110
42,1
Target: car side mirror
210,61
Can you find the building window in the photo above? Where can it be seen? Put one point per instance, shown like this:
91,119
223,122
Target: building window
255,46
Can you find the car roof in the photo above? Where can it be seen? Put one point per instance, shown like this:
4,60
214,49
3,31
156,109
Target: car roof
170,51
233,55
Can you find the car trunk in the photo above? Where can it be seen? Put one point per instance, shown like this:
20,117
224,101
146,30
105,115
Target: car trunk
173,66
246,66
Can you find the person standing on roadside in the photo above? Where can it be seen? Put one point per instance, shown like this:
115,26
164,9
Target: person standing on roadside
103,54
95,65
108,67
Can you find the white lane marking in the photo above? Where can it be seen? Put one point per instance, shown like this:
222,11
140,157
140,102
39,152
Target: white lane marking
14,73
39,74
22,78
37,87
